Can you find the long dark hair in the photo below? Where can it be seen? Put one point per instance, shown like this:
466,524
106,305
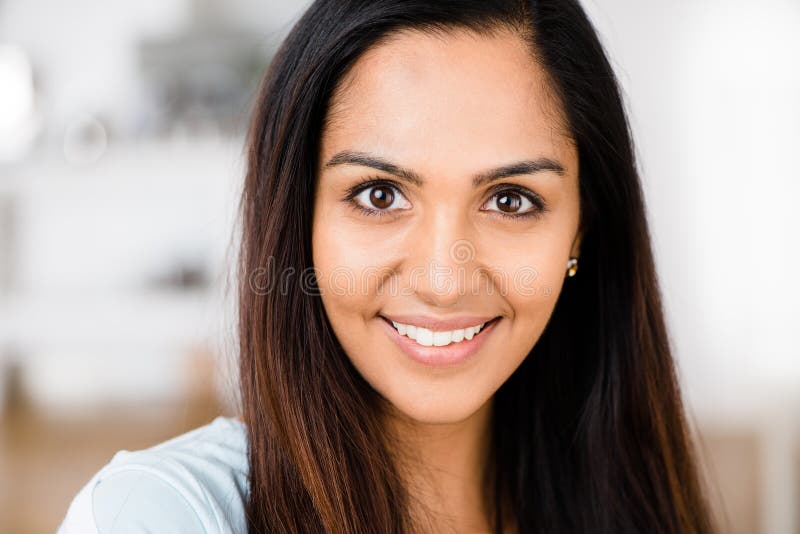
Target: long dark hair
588,434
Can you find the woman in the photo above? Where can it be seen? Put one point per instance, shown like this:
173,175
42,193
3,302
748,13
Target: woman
418,349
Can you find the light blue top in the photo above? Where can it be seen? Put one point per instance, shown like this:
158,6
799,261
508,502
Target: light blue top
195,483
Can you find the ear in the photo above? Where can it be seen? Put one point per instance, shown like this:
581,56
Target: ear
575,252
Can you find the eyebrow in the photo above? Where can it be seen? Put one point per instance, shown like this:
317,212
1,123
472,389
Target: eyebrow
534,166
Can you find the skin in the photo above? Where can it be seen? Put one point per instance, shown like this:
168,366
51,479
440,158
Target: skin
445,107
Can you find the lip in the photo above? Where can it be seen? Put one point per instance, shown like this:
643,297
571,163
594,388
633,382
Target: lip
446,356
432,323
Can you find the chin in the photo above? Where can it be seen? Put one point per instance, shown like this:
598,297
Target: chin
437,409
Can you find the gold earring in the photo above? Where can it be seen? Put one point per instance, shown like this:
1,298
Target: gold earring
572,266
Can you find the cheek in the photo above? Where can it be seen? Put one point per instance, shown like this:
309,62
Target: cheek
528,269
347,272
529,274
533,303
348,276
345,239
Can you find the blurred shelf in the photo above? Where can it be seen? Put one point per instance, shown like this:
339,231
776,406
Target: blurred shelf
56,319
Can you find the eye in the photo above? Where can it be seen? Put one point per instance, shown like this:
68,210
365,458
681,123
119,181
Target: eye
377,197
515,203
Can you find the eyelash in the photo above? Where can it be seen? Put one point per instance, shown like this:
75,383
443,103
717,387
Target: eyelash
354,191
540,207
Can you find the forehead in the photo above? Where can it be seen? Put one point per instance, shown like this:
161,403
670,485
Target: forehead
447,98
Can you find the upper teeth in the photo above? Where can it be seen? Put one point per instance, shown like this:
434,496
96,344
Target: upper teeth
426,337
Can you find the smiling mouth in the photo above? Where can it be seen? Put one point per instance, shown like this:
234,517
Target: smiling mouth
429,338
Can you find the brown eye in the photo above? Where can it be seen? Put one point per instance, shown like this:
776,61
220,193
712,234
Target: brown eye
381,197
514,204
509,202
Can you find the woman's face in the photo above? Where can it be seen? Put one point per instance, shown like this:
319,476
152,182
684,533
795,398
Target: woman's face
472,215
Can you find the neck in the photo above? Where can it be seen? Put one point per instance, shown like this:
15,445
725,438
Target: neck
443,465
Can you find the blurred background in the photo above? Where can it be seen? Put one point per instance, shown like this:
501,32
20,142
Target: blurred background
121,157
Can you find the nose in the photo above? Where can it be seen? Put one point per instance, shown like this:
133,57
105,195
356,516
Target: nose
441,253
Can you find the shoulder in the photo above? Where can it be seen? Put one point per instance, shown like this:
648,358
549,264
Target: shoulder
195,482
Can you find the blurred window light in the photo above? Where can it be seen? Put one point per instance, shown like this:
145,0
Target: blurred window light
18,121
